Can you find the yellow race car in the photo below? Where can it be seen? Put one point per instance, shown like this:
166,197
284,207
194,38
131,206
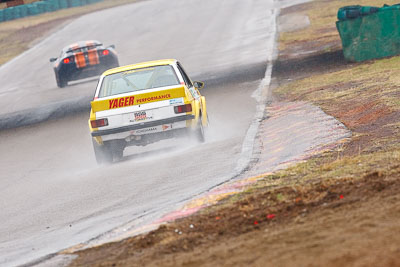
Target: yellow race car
139,104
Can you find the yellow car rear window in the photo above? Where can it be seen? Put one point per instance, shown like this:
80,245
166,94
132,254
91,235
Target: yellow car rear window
138,79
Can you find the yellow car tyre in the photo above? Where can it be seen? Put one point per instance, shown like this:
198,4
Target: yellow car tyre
102,153
199,132
116,149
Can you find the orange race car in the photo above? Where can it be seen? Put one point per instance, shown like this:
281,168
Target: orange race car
82,60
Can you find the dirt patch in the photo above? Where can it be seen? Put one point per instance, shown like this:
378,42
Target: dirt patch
293,66
302,8
358,114
268,225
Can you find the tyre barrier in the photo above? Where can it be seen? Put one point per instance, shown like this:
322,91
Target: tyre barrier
40,7
32,10
74,3
54,3
17,14
62,3
9,14
23,9
48,7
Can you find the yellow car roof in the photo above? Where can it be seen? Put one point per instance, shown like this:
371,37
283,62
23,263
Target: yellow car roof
140,65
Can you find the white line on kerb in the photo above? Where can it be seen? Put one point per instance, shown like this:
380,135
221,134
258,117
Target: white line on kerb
261,95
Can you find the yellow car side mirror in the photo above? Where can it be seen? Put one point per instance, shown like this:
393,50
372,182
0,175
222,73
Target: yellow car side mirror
198,85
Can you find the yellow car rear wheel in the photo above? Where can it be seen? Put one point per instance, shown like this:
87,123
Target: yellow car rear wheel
199,131
102,153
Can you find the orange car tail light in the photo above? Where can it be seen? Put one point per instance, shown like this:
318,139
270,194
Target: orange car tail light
68,60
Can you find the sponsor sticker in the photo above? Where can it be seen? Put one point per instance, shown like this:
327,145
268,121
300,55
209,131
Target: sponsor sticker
121,102
176,101
138,99
141,116
155,129
145,130
166,127
147,99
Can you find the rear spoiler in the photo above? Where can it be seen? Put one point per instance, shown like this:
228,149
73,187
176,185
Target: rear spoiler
137,99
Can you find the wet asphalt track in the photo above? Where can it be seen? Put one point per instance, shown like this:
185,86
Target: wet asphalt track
52,193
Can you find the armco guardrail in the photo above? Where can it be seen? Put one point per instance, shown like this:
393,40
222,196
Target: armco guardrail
40,7
369,32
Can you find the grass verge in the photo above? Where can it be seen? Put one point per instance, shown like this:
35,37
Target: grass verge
364,96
